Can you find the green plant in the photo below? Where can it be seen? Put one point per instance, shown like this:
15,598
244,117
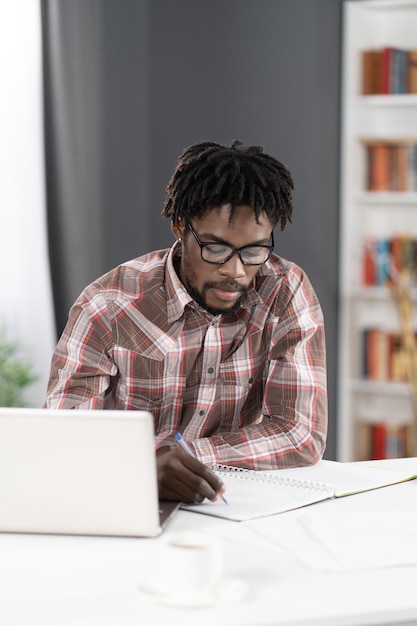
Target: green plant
15,373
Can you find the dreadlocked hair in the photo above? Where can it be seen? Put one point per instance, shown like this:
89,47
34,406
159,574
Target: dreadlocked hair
210,175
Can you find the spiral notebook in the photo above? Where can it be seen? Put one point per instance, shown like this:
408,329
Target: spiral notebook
253,494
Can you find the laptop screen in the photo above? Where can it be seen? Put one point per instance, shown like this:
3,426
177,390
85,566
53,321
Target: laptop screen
78,472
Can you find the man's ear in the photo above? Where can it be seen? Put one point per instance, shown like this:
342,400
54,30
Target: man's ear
178,229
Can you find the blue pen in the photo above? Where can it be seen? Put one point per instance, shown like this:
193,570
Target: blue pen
184,445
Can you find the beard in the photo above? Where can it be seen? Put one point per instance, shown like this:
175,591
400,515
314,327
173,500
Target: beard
187,273
198,297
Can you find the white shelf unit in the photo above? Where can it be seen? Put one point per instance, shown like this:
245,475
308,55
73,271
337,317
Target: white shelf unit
370,24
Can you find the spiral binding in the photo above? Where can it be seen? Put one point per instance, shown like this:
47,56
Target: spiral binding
246,474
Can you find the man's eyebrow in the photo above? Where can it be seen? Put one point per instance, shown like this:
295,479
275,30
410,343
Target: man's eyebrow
261,242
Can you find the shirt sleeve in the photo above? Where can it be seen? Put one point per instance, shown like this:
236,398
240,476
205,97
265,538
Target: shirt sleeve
292,428
82,368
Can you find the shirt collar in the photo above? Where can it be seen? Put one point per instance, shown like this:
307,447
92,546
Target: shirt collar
177,295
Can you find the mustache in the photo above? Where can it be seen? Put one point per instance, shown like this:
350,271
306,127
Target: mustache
227,286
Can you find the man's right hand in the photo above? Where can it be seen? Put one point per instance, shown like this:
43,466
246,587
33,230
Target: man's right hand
184,478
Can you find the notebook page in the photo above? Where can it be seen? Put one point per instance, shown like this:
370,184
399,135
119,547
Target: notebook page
254,494
350,478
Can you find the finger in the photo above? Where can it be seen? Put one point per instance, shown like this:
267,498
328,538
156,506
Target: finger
183,477
177,493
183,492
204,480
184,482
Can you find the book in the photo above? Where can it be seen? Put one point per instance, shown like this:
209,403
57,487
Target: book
396,440
412,167
369,262
375,354
412,71
377,351
378,441
399,71
254,494
371,72
387,69
397,362
362,441
403,167
379,164
382,262
395,254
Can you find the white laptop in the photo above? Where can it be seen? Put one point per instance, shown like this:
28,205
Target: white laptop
79,472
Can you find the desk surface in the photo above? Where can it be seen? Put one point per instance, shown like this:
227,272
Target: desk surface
95,581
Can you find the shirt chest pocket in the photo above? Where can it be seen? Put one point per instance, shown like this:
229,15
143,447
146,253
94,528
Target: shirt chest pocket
146,384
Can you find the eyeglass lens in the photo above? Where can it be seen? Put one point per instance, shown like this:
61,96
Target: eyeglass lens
219,253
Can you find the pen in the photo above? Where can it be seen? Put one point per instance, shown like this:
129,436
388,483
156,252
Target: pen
184,445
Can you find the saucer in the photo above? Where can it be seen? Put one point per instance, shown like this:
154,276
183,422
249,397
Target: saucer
225,591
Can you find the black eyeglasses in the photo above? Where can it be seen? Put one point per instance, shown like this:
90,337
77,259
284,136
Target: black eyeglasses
220,253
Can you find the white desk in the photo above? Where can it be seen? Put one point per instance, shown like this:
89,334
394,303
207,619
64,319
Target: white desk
94,581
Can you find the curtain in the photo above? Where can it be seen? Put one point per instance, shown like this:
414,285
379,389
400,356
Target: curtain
26,307
96,73
72,52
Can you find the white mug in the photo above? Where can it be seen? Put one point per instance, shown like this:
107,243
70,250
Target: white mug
190,562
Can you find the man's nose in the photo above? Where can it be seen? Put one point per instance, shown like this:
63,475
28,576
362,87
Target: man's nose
233,268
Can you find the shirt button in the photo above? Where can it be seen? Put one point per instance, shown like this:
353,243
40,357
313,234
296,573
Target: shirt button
250,380
201,412
210,370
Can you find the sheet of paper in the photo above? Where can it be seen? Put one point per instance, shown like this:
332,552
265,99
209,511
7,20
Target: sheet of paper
365,540
290,535
247,536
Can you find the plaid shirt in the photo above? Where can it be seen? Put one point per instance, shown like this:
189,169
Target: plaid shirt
247,389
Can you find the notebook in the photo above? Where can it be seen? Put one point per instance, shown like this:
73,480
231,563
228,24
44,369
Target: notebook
79,472
251,494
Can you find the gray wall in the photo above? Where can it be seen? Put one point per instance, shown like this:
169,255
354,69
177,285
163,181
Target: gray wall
174,72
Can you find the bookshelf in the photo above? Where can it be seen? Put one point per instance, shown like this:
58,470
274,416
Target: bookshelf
372,216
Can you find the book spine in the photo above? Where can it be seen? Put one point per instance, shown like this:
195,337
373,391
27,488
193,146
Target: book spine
412,71
369,263
382,262
399,71
412,167
380,167
371,72
402,165
386,71
363,441
378,441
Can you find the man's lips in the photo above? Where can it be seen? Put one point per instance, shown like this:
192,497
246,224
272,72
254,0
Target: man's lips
227,292
228,287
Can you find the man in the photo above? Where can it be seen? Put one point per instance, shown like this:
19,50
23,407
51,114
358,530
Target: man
218,337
